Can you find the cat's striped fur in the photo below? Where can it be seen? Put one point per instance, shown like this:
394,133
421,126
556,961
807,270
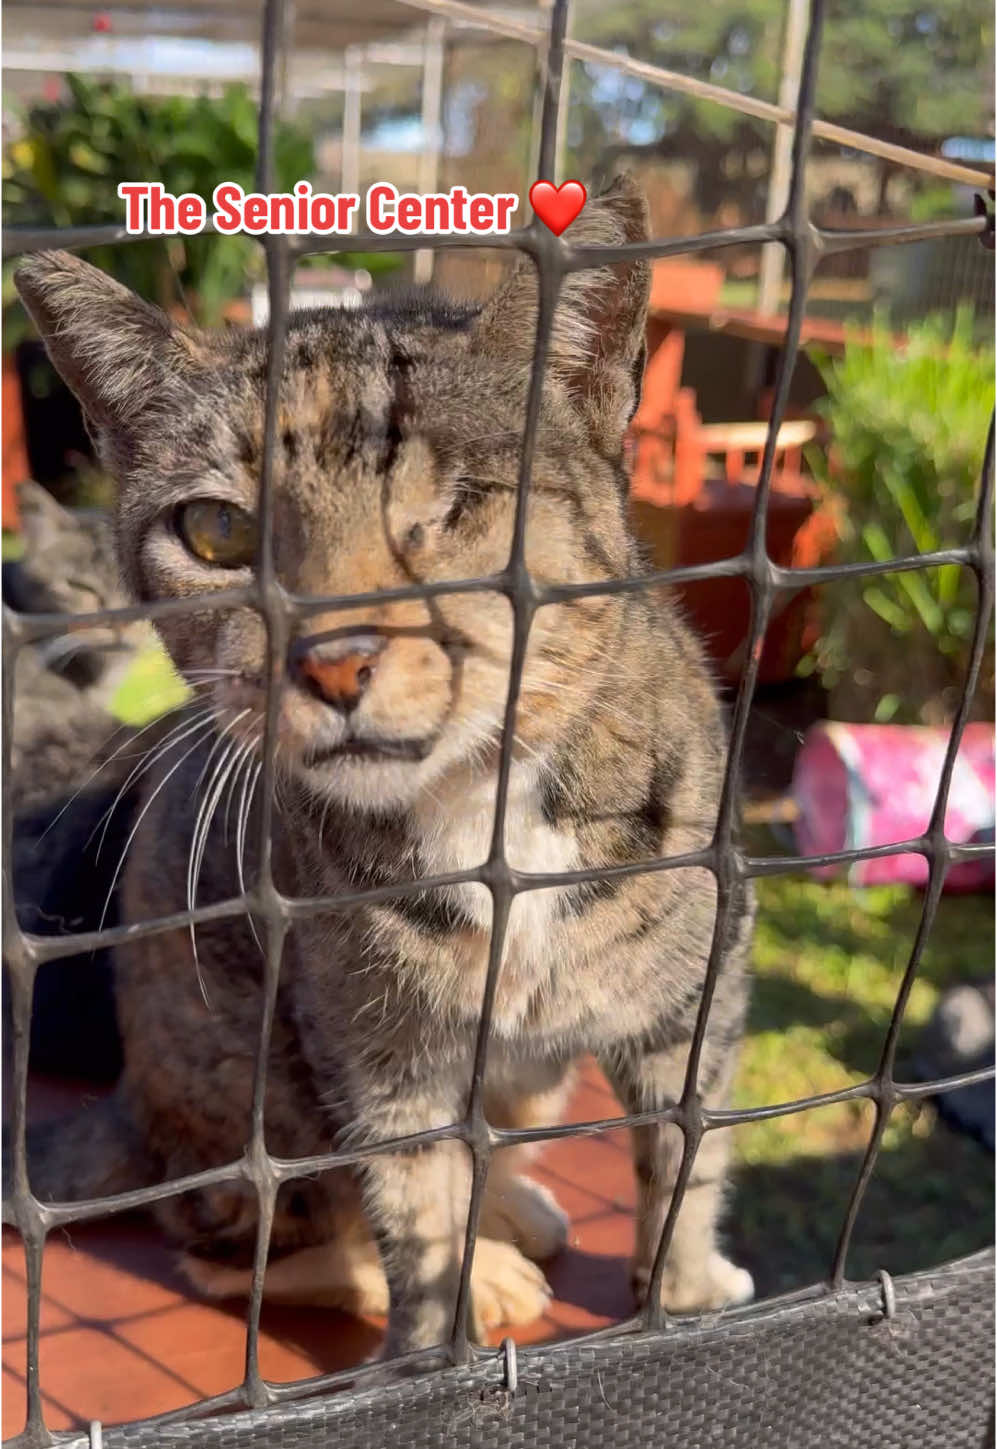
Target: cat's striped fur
399,431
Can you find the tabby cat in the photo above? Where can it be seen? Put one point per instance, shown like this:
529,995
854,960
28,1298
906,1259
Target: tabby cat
65,682
399,432
66,745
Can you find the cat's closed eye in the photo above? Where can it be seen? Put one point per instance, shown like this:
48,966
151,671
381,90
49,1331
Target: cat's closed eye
470,491
86,596
217,532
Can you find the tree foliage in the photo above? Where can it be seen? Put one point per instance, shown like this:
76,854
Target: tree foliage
902,71
64,167
891,67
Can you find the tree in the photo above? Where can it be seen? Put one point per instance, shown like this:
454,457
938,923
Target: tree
908,73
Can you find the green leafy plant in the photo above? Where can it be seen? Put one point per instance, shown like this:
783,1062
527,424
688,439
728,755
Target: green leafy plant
907,424
65,166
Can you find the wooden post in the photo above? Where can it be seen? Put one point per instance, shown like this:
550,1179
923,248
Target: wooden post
770,272
432,130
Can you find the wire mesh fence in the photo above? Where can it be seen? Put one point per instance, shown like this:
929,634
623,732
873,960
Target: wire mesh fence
489,1397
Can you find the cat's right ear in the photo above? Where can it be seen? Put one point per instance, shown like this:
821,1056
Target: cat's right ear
42,518
121,356
596,348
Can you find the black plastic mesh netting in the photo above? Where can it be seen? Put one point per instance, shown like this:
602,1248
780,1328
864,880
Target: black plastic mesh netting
905,1363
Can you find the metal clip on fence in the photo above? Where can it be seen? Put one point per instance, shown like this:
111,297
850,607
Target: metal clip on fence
511,1365
889,1295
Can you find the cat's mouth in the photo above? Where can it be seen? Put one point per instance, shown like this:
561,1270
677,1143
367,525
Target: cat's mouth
369,749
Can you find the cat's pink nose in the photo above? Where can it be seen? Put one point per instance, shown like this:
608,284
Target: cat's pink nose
340,681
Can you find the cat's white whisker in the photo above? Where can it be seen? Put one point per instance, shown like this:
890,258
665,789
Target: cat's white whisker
202,826
205,728
223,737
242,768
245,807
115,754
530,749
176,735
321,824
94,773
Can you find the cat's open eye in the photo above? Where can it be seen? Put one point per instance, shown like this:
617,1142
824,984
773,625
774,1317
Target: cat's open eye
217,532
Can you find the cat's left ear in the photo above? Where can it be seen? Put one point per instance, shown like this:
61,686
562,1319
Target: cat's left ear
42,518
122,357
597,347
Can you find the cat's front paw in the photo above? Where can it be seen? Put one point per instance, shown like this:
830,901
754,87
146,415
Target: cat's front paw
714,1283
215,1280
528,1214
505,1286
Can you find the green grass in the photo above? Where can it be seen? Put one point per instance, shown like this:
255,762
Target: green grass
829,960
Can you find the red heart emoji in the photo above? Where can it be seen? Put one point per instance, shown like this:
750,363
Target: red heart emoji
557,206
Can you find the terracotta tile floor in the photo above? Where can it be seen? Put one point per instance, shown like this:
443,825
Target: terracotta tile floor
122,1337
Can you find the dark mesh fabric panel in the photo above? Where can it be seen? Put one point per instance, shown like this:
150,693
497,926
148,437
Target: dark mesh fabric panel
835,1373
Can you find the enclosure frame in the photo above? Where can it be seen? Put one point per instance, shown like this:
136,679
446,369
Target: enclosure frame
266,1412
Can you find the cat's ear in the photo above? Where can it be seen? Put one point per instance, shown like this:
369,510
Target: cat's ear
42,519
121,356
597,338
